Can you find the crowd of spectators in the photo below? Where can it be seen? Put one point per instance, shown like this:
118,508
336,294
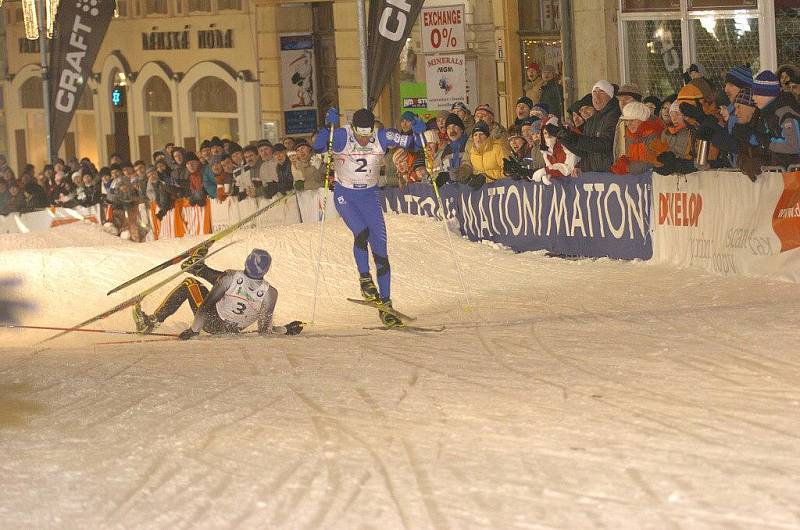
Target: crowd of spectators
749,122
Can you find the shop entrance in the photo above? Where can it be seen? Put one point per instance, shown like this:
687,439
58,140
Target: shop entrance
120,142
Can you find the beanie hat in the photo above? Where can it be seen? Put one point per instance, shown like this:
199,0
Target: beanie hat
264,143
485,107
585,101
745,97
365,119
766,84
150,169
301,143
549,68
459,105
443,114
654,100
635,110
534,66
234,148
190,156
541,108
453,119
697,67
215,142
407,115
740,76
481,127
629,89
526,100
605,86
257,264
418,162
690,93
430,125
277,148
722,99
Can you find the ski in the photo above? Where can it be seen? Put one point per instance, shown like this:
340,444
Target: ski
276,330
133,300
87,330
381,307
204,244
407,328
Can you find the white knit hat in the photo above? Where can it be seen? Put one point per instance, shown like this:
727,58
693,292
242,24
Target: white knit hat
605,86
636,111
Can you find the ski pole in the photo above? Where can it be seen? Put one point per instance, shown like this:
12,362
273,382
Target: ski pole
429,163
325,193
87,330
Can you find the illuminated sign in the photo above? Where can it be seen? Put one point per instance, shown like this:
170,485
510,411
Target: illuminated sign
118,96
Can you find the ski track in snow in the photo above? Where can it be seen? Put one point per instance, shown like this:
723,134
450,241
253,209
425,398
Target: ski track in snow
576,394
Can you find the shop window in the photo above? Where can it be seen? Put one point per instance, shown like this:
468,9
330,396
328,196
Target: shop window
223,5
122,8
211,94
34,138
157,96
32,93
210,126
161,132
720,43
634,6
539,16
653,49
199,5
787,32
156,7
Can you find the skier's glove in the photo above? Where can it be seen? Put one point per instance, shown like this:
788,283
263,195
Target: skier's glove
299,185
332,117
692,111
294,327
187,334
552,130
418,126
442,178
476,181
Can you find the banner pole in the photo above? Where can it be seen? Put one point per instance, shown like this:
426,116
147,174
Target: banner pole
41,13
362,51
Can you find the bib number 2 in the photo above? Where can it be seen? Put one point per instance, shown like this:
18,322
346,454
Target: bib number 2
362,167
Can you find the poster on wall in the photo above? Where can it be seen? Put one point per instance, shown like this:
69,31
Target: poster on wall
298,84
443,29
446,80
413,98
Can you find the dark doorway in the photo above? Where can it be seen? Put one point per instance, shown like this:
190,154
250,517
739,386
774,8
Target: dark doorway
122,142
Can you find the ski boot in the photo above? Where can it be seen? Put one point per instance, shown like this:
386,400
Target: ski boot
198,254
368,289
144,323
389,320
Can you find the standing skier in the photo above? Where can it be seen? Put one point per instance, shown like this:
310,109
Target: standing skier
237,299
358,150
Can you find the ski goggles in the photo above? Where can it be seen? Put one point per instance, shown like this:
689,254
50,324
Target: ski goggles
363,131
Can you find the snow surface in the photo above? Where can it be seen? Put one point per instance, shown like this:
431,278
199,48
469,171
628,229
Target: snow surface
577,394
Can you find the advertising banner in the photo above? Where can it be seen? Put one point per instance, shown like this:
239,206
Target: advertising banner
298,84
443,29
446,80
594,215
725,223
77,35
389,25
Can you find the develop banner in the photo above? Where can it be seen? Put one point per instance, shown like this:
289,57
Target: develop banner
77,35
725,223
595,215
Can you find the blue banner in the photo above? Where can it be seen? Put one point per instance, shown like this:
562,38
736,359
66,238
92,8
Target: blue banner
594,215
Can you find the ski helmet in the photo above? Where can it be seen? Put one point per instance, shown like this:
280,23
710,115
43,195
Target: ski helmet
257,264
363,122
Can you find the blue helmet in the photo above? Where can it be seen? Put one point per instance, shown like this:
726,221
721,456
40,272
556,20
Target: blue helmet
257,264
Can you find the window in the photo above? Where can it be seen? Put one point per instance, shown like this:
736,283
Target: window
85,135
721,43
32,93
722,4
223,5
654,50
787,32
211,94
156,7
157,96
122,8
199,5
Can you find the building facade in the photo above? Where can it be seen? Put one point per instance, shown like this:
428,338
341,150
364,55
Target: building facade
184,70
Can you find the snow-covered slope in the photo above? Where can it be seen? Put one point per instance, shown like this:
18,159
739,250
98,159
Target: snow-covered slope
575,394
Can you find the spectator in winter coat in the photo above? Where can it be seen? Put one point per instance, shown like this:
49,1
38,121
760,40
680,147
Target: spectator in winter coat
455,166
34,198
4,196
15,202
654,104
533,82
778,126
461,110
697,77
559,162
582,111
307,170
677,136
748,158
552,93
643,141
486,156
485,114
3,164
595,146
197,192
522,110
284,170
88,193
